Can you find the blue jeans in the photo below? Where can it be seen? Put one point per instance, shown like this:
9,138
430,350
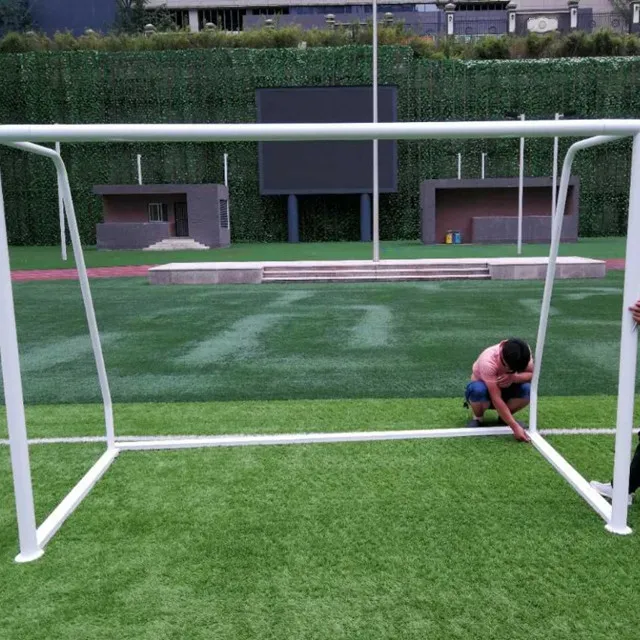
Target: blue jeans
477,392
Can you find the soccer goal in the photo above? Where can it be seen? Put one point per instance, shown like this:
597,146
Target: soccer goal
33,538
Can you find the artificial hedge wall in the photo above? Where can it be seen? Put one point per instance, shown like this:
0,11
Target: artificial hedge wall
219,86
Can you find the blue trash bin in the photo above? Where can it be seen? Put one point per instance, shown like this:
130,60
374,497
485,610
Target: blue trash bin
457,238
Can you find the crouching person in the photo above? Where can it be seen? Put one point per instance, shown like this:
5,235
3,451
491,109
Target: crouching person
501,380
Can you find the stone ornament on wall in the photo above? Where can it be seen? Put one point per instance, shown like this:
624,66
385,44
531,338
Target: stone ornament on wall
542,24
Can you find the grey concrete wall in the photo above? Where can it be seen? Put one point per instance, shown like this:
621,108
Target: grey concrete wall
203,205
130,235
534,229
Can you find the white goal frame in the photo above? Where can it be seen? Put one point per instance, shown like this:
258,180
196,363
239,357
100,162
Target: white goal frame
33,539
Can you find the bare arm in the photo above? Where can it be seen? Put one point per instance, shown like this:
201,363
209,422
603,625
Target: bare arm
504,412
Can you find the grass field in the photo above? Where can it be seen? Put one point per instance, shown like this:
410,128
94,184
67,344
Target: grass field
49,257
441,539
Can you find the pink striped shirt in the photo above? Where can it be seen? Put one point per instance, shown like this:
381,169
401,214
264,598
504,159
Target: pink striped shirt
489,367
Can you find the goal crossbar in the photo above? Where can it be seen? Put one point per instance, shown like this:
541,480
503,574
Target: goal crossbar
32,539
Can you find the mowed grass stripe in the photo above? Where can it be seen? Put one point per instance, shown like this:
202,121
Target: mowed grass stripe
237,343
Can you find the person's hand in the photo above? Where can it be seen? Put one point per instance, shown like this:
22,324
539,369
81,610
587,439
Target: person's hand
504,381
635,311
521,435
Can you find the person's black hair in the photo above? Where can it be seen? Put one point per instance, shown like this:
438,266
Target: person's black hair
516,354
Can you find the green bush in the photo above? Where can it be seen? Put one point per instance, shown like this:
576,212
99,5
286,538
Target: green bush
575,44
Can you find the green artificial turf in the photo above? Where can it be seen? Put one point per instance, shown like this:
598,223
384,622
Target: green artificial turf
295,416
49,257
379,340
441,539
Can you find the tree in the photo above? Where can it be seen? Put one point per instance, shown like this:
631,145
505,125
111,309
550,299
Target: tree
15,15
131,15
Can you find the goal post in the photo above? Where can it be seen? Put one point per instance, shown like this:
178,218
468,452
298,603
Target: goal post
32,540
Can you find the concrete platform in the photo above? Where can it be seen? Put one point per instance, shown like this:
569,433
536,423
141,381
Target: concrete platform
368,271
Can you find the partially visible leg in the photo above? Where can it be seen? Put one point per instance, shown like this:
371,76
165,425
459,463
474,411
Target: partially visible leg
517,397
477,397
634,472
606,488
517,404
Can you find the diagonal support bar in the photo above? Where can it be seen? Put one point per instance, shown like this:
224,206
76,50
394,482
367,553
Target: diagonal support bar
48,528
581,486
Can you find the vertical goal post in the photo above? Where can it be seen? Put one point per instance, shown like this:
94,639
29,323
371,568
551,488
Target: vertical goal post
33,539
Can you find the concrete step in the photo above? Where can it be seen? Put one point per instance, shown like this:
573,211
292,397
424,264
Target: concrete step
177,244
307,273
373,278
373,268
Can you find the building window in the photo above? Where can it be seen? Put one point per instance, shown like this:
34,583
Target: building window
180,17
476,6
224,19
158,212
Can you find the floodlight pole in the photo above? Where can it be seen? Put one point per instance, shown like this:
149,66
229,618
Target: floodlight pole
521,191
628,356
14,400
63,233
376,187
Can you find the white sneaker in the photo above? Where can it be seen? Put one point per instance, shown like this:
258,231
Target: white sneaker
606,490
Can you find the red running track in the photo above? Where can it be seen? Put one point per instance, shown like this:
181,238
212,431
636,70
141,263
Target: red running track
72,274
141,271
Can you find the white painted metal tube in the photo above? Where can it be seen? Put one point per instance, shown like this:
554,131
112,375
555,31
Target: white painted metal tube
459,166
482,167
628,355
139,163
376,174
50,526
83,278
554,187
305,438
317,131
226,170
581,486
556,232
63,234
14,401
521,192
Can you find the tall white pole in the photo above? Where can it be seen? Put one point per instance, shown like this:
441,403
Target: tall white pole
376,193
226,170
139,169
628,356
484,155
521,192
63,234
16,422
554,195
459,166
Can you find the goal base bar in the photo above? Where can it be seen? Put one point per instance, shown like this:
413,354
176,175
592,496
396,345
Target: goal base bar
305,438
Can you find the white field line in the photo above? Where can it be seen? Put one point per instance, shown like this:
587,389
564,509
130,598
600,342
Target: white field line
100,439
